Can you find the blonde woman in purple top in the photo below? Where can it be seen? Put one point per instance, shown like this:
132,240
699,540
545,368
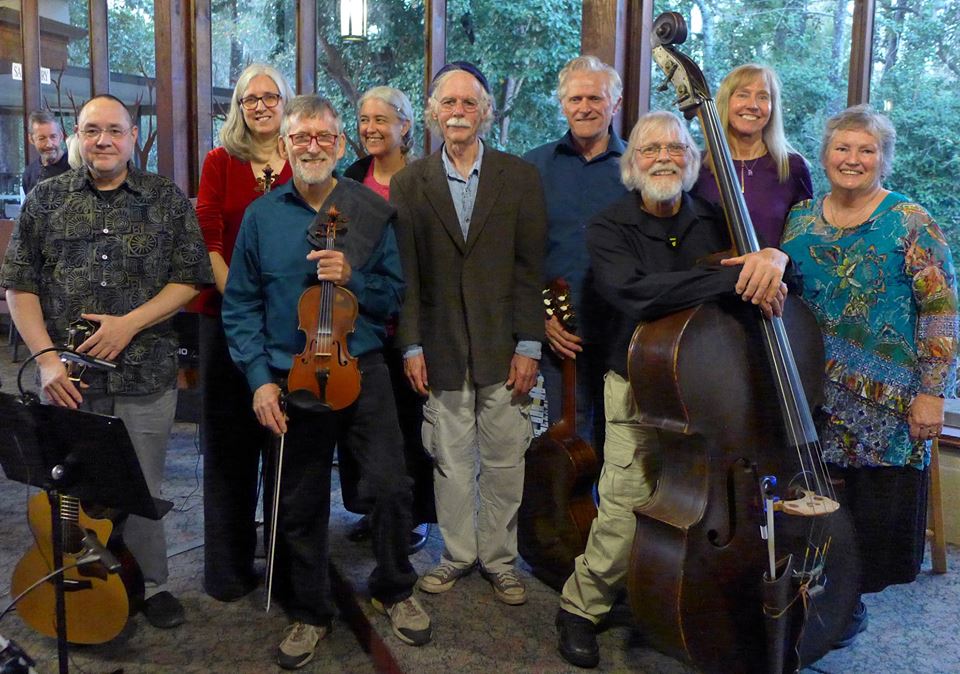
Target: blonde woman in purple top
772,176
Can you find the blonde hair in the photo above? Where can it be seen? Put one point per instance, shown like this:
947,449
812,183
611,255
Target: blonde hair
234,134
397,100
773,136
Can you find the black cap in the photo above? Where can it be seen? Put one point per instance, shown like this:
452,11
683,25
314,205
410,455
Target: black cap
467,67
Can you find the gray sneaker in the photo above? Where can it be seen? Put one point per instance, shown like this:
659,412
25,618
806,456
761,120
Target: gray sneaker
298,647
442,578
507,587
410,622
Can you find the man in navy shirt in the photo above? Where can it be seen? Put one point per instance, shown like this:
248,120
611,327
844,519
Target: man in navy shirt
581,176
273,263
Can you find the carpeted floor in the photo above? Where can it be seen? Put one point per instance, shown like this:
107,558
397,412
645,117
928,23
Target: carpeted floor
909,631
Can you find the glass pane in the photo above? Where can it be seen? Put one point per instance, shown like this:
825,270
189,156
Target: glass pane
916,81
391,55
806,41
244,32
519,47
130,34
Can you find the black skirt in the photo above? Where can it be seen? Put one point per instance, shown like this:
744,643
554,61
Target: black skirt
888,505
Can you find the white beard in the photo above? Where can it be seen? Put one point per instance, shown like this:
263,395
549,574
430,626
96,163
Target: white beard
661,188
312,174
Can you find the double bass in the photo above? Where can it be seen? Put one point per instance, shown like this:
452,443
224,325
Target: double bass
560,470
743,560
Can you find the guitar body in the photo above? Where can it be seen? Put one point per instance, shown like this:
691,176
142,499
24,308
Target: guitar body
98,603
560,470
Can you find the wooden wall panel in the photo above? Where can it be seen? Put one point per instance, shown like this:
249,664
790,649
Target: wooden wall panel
306,47
174,116
99,48
861,52
30,39
435,44
202,103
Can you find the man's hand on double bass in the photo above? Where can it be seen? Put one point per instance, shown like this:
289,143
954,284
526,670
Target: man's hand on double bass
761,279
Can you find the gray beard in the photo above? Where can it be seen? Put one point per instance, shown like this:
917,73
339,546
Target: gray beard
649,188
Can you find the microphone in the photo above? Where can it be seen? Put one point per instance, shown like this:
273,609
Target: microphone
88,361
94,551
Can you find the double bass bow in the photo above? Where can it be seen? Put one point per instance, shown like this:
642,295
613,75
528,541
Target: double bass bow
324,376
742,559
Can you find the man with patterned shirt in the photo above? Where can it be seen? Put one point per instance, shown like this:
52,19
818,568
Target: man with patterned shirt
121,248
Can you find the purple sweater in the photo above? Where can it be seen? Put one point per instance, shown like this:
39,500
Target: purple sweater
768,200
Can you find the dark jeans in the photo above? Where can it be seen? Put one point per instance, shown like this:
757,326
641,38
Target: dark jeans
418,462
233,442
370,428
590,371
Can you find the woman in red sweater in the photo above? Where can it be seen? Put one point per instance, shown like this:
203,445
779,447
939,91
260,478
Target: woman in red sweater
247,165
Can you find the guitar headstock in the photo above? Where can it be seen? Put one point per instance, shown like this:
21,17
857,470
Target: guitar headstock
669,29
77,333
557,303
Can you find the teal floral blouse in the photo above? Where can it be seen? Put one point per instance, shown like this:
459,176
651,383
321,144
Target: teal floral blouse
885,296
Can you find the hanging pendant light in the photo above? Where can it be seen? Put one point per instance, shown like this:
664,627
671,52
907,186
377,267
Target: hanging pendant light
353,20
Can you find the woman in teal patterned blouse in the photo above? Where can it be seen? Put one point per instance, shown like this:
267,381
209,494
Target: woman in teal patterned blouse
878,274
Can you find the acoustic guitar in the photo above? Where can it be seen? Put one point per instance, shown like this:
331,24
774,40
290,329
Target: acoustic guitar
98,602
561,468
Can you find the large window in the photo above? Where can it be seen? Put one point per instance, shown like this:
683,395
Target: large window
916,81
520,47
806,41
392,54
130,35
11,113
245,32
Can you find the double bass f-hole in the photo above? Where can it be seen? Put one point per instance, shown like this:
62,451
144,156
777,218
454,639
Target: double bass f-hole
324,376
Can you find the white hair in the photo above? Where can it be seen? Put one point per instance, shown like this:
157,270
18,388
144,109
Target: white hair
234,134
643,132
397,100
590,64
433,103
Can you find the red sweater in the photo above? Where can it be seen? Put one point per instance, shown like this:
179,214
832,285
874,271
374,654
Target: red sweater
227,187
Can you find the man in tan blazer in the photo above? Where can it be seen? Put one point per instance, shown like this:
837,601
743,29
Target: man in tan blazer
472,227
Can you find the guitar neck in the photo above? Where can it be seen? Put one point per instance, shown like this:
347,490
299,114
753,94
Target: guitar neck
569,401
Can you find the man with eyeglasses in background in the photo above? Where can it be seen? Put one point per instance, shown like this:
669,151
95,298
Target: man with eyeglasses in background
120,248
653,252
46,135
472,225
273,263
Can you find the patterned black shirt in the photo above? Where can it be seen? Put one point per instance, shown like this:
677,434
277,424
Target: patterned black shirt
85,251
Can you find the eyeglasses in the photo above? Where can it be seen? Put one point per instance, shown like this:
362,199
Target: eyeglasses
303,139
94,133
651,151
468,104
269,101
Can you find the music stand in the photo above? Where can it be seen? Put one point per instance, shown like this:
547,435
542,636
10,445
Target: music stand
81,454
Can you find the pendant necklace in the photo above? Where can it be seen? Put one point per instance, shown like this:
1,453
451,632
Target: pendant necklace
749,171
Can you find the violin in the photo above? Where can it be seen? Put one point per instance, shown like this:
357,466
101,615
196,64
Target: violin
98,602
561,468
324,376
742,560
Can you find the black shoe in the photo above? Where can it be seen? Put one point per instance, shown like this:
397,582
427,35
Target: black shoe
418,538
233,593
578,640
163,610
360,531
857,624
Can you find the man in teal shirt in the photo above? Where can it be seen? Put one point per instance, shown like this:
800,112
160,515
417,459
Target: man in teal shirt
273,263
